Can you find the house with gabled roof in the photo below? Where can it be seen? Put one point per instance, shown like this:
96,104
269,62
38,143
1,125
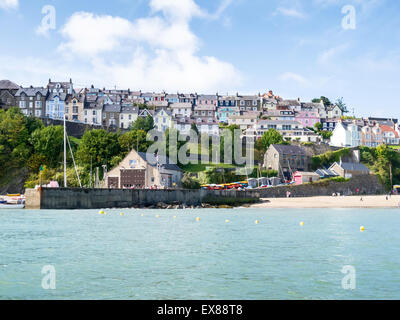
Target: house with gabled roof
286,160
55,105
111,114
74,107
128,116
349,170
390,135
60,87
144,170
163,120
32,101
8,89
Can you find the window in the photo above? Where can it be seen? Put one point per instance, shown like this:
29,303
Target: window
75,110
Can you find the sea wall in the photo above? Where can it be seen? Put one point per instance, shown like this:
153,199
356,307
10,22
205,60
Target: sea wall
117,198
367,185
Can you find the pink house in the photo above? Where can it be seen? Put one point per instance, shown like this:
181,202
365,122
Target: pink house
305,177
307,117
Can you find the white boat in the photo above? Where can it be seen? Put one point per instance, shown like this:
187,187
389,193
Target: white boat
12,201
11,206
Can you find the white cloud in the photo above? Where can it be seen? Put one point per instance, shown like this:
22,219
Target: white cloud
9,4
327,55
290,12
154,53
291,76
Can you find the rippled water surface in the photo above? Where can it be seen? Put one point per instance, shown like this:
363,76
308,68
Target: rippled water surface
145,257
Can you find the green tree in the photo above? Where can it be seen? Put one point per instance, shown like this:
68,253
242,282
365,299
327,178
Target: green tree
188,182
326,101
145,124
318,126
49,144
272,136
134,139
342,106
97,148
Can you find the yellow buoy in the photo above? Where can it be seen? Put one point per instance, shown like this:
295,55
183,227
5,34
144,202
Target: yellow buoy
122,214
302,224
362,229
257,222
227,221
174,217
101,212
197,219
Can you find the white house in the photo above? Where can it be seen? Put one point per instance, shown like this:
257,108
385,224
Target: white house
163,120
181,109
128,116
346,135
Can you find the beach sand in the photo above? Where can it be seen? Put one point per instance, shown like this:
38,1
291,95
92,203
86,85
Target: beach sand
331,202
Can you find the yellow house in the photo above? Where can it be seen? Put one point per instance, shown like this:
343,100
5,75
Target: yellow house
74,107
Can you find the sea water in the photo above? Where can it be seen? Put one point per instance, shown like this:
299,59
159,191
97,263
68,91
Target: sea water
138,255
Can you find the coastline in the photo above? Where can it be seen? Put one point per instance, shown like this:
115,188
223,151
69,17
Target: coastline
349,202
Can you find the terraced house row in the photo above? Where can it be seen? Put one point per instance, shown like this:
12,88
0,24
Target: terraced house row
254,114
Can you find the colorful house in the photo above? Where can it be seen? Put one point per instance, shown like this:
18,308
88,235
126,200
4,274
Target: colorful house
305,177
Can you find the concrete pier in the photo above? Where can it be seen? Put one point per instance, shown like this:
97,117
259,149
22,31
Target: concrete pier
120,198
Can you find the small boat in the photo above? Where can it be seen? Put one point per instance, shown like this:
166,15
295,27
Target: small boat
13,201
12,206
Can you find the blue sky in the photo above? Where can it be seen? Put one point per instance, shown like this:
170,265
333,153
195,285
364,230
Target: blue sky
298,48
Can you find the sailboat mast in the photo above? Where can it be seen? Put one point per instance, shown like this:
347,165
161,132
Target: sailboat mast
65,154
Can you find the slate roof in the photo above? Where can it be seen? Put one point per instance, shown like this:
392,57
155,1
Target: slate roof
61,95
112,108
130,110
352,166
181,105
79,97
326,173
31,91
164,161
288,149
168,112
8,85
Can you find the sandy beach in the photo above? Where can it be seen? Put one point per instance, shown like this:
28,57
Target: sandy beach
331,202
